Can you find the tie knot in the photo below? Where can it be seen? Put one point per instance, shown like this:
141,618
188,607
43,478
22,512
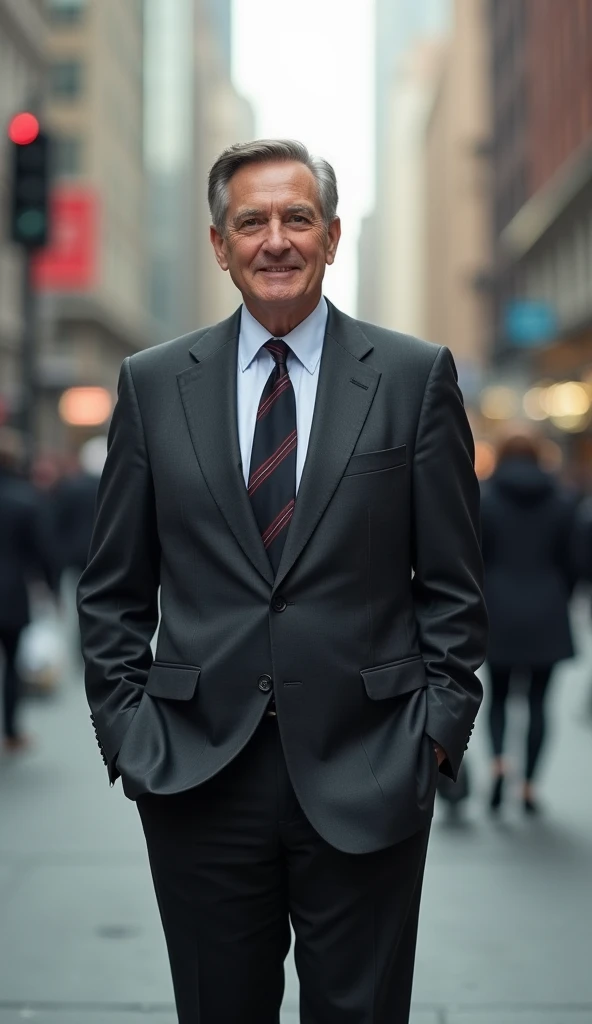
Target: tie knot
278,349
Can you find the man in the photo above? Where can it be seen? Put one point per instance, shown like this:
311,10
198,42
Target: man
301,488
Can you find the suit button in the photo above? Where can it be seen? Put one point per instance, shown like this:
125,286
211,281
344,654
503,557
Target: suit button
279,604
265,683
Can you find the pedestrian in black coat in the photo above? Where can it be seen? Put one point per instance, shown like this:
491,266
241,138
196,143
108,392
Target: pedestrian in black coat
74,500
73,508
527,527
24,556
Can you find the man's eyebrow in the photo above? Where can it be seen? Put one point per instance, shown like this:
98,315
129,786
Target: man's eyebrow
301,208
245,214
254,211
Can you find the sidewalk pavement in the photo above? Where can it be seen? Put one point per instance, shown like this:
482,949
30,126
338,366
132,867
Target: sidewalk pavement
506,923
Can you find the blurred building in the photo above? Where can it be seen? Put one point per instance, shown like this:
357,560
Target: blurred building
458,178
399,25
22,76
542,200
193,112
223,116
92,278
402,301
219,15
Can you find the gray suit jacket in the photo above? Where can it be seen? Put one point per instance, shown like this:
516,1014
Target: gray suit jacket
371,632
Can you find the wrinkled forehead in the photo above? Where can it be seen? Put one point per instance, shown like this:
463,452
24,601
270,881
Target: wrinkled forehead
275,185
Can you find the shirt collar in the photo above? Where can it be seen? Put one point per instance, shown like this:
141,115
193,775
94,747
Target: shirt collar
305,341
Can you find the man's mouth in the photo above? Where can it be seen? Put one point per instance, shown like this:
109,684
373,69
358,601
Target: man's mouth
278,270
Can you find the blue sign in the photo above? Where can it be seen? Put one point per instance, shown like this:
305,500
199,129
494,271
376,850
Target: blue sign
529,324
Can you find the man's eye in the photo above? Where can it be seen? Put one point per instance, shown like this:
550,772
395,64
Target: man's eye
299,218
251,222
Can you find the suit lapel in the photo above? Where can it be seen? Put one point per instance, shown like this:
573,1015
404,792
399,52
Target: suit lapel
345,393
208,393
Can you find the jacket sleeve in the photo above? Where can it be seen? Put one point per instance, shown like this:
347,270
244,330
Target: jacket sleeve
118,590
448,570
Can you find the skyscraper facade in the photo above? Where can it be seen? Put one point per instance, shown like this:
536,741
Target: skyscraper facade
542,201
399,25
458,254
193,111
93,279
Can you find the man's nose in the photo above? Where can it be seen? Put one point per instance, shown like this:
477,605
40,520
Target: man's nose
276,241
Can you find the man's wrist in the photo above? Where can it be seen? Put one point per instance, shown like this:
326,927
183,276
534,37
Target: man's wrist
440,753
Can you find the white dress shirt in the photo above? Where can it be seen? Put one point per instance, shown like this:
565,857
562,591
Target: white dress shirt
255,365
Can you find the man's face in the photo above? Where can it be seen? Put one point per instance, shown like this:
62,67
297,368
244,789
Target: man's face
276,244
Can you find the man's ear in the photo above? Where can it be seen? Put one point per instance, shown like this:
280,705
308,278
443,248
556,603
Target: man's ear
334,234
219,245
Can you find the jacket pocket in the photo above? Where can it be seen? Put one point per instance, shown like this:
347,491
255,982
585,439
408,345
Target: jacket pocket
372,462
395,679
173,682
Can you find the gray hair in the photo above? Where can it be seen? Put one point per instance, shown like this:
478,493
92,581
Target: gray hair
262,151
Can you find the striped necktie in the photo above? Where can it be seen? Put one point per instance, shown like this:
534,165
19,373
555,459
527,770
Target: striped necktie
272,477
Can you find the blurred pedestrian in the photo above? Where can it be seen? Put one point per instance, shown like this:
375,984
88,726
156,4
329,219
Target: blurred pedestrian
74,499
73,507
25,556
284,745
583,554
527,537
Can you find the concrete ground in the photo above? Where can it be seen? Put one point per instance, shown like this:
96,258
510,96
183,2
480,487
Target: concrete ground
506,925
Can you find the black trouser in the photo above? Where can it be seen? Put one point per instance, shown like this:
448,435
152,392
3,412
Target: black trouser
235,859
538,684
9,640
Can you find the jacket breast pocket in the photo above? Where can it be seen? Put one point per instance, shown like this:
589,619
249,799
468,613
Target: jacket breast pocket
172,682
375,462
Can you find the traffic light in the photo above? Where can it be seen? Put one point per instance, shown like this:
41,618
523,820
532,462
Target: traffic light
29,195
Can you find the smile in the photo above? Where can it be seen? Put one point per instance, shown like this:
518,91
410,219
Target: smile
278,270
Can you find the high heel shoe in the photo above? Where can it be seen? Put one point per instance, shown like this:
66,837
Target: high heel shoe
530,805
495,800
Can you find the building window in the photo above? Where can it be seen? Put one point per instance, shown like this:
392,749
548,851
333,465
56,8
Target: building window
66,79
66,12
67,156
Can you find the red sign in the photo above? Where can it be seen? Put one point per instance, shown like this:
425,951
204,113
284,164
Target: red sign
69,263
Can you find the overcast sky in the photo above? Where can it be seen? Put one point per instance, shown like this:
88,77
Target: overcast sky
307,68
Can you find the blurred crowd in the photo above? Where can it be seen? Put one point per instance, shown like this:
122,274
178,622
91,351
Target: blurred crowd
46,521
537,549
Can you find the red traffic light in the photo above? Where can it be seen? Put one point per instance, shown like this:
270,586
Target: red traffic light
23,129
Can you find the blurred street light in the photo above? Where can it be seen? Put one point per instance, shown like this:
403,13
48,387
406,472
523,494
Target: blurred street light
568,405
533,404
499,403
569,398
85,407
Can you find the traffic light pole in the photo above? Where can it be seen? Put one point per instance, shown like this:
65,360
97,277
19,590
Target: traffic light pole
28,362
28,224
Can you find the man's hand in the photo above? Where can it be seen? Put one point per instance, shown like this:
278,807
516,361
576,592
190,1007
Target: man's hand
440,753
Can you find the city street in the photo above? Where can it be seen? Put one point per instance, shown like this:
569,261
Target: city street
297,365
505,931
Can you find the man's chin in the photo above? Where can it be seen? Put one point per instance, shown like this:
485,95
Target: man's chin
280,291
